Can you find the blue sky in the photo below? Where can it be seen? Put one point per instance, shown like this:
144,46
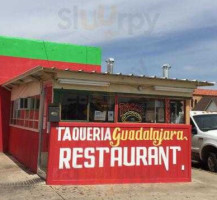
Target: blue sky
140,35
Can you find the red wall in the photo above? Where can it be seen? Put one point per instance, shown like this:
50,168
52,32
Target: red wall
23,145
19,55
15,66
140,173
4,118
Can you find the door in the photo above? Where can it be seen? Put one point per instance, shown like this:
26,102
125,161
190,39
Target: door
44,130
195,141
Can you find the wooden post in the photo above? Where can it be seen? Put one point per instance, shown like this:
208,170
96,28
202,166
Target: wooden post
167,111
187,111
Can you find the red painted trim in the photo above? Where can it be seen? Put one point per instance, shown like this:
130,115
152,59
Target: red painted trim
185,102
167,110
5,96
145,96
119,124
116,108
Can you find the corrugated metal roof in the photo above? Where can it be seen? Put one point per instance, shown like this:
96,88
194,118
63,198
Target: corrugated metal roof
142,76
53,69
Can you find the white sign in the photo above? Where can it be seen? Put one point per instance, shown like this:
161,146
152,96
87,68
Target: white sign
99,116
110,116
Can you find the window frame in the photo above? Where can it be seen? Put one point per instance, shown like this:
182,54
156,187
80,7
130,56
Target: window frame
155,98
102,94
88,93
25,119
116,109
184,110
88,106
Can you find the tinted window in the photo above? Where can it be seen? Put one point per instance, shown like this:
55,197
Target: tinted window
74,106
141,110
102,108
206,122
177,112
25,112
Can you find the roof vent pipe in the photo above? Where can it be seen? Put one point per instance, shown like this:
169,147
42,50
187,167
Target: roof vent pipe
110,65
166,68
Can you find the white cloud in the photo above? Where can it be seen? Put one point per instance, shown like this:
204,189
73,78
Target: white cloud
41,19
159,19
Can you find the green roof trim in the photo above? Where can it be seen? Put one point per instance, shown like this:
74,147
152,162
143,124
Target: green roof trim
37,49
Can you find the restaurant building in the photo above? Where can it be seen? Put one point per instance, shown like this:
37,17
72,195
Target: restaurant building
83,126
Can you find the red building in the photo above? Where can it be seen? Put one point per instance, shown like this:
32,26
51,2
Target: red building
20,55
73,124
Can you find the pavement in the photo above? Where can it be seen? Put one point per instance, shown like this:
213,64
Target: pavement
17,183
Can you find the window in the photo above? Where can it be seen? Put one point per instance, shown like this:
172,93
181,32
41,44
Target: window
23,103
141,110
86,107
102,108
149,111
74,106
192,124
25,112
160,111
177,112
206,122
130,109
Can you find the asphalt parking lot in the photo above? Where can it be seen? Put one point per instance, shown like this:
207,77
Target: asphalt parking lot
18,183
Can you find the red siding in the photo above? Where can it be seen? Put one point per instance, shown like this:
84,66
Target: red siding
4,118
23,145
11,66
